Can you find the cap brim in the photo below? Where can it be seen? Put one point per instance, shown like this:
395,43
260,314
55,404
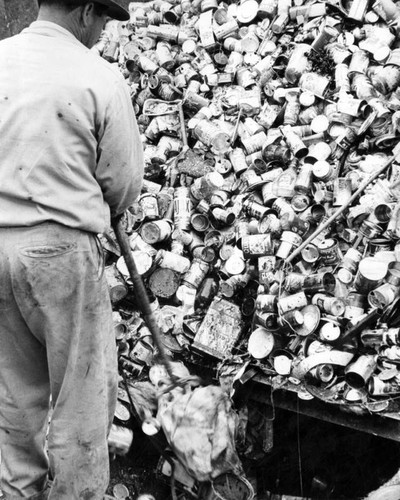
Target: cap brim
115,11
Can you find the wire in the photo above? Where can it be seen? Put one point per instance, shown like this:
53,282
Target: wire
299,449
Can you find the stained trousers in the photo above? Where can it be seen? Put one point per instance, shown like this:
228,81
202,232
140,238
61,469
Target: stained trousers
56,339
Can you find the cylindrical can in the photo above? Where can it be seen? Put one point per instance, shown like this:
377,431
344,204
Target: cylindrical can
200,222
276,152
330,305
149,205
172,261
296,145
359,62
370,275
197,272
256,245
319,282
291,302
254,143
292,222
156,231
164,282
292,108
238,160
329,252
341,191
383,296
267,303
378,387
261,343
293,282
314,83
351,260
327,35
289,241
330,331
136,242
358,373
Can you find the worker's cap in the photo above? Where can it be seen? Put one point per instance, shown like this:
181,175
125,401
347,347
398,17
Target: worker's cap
117,9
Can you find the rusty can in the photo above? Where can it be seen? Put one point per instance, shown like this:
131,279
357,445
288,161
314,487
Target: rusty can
156,231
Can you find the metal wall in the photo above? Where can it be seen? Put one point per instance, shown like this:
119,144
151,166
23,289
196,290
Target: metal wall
15,15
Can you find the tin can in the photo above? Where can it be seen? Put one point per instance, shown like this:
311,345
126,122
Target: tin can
296,145
289,241
256,245
261,343
341,191
238,160
370,275
293,282
254,143
315,83
327,35
172,261
291,302
383,295
351,260
136,242
164,282
149,205
358,373
200,222
319,282
329,305
292,108
267,303
329,252
378,387
359,62
275,152
156,231
196,274
254,209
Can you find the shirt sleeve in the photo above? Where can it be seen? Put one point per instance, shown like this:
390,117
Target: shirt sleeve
120,164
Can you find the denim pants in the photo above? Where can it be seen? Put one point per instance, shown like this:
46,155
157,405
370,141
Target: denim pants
56,340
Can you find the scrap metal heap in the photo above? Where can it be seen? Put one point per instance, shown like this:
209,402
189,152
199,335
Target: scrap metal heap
261,124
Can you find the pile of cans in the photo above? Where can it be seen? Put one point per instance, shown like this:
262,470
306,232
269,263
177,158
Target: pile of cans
261,122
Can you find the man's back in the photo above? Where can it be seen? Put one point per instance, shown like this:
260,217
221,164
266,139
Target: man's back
58,102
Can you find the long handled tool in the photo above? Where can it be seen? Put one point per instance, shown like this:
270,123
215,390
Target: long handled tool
142,298
344,207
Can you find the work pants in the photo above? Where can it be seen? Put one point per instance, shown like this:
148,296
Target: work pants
56,339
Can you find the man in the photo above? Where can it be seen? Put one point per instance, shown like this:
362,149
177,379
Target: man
70,155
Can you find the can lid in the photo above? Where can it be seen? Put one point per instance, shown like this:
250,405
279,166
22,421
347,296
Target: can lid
164,282
282,364
320,150
189,46
120,491
329,331
235,264
320,124
143,263
261,343
311,317
321,169
247,11
310,253
307,98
